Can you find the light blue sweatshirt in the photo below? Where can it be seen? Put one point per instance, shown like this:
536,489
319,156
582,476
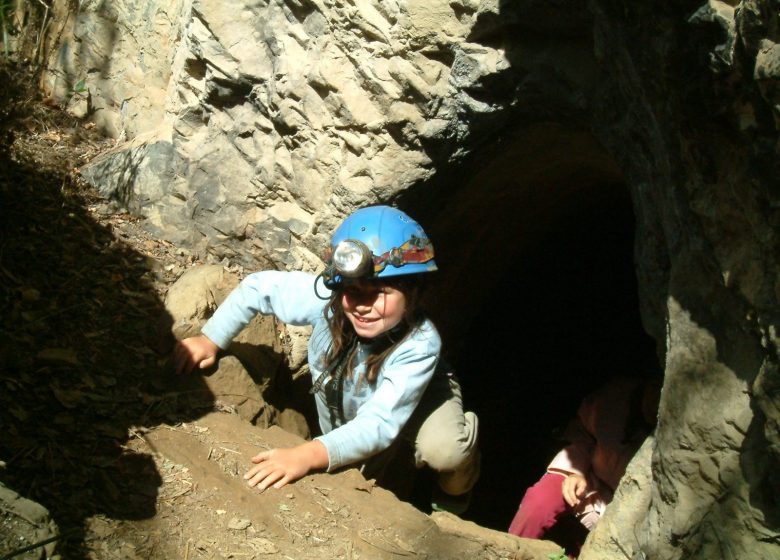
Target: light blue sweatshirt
374,413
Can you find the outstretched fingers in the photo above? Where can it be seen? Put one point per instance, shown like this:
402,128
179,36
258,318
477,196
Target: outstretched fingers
266,477
279,466
266,472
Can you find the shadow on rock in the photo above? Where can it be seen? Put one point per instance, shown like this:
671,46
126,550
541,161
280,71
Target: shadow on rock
85,340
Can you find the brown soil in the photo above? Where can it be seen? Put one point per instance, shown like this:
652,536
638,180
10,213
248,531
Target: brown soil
95,427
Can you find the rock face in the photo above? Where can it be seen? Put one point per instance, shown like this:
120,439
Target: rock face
248,129
26,526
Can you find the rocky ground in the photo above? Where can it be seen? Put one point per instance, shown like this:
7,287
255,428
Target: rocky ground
103,454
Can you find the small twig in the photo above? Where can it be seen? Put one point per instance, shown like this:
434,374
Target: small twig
55,313
22,550
620,546
230,450
247,397
171,428
11,276
24,452
40,40
177,494
136,434
398,550
28,548
289,529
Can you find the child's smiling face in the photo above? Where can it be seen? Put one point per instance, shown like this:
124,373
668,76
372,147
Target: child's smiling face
372,307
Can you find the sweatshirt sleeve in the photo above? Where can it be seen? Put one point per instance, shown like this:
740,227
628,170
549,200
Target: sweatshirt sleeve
572,459
379,421
290,296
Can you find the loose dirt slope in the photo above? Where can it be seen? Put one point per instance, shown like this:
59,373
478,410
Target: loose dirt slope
321,516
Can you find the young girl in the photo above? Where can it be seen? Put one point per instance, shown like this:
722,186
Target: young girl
374,358
611,424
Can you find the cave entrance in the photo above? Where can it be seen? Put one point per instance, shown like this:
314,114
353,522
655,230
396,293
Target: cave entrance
536,299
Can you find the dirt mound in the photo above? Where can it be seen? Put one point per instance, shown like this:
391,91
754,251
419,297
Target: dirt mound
207,510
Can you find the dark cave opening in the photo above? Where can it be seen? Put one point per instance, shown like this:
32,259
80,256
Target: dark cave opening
541,306
564,321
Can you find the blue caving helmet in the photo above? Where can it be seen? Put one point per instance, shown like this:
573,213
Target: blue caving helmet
377,242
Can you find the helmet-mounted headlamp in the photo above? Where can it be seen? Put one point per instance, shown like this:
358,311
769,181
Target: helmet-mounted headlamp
352,259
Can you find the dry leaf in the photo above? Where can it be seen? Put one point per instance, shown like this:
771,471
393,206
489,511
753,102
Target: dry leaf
58,355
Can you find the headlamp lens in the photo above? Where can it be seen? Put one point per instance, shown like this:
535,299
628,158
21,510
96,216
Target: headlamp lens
352,259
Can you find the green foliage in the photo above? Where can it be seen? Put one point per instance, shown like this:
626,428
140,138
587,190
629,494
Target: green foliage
560,555
81,86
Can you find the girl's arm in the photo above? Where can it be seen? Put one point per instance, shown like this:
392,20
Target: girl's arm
290,296
379,420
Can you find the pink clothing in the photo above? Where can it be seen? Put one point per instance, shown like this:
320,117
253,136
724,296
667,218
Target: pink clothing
604,437
610,426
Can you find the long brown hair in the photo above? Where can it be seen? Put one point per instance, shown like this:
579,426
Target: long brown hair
343,335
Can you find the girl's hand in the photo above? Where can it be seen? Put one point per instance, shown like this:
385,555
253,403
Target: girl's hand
574,488
280,466
194,351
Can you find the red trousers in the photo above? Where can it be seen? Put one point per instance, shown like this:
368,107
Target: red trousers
543,513
540,508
